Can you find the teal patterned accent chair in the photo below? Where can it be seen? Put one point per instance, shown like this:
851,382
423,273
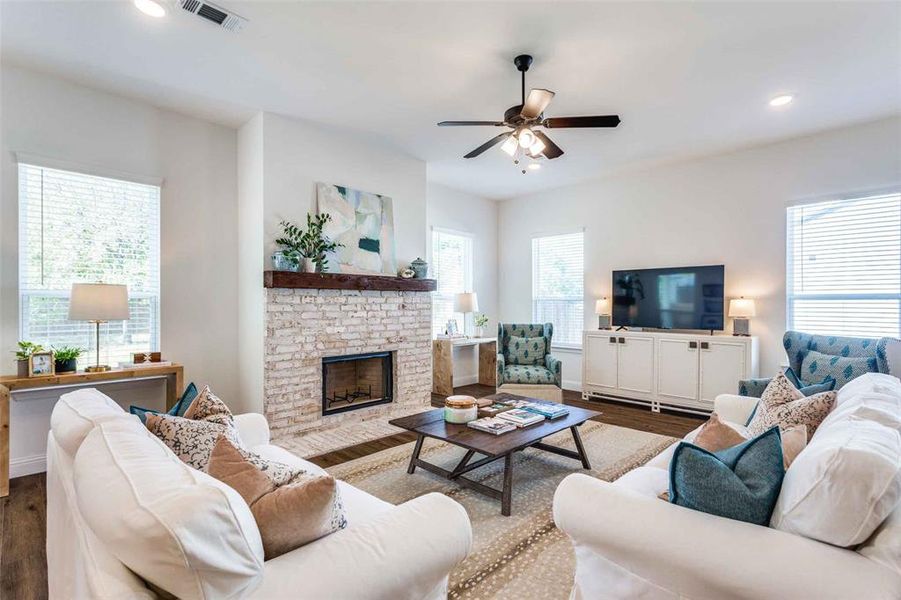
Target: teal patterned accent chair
525,364
815,358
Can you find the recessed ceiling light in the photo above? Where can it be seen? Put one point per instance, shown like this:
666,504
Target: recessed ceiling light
534,166
782,100
150,7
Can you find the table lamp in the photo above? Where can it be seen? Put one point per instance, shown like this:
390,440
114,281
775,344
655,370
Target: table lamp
602,310
98,303
465,303
740,309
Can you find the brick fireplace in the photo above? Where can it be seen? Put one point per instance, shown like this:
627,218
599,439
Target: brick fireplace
336,359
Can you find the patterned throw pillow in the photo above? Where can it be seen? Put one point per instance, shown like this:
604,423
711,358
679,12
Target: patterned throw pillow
526,351
816,366
289,515
782,404
193,436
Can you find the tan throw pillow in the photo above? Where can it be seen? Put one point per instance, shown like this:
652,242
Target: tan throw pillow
716,435
288,516
782,404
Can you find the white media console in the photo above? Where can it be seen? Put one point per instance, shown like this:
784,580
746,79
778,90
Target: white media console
680,371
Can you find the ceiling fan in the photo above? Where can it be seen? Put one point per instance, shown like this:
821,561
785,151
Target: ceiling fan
523,120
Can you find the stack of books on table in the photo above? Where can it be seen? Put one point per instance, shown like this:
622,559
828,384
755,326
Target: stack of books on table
521,417
492,425
549,410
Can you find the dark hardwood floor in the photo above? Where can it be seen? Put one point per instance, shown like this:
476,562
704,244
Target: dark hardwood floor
23,561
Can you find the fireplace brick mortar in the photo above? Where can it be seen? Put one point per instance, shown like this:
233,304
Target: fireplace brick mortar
305,325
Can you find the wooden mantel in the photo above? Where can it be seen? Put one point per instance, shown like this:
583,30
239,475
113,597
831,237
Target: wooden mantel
346,281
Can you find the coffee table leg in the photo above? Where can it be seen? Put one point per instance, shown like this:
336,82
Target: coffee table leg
508,485
416,450
580,448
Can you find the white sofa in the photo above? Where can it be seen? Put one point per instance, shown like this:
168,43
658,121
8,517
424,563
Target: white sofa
119,501
631,544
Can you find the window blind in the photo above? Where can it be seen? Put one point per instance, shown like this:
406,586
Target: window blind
76,228
452,267
844,267
558,285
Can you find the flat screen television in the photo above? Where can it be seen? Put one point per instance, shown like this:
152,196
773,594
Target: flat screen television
670,298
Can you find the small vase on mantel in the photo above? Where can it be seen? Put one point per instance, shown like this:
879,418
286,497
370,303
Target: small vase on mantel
309,266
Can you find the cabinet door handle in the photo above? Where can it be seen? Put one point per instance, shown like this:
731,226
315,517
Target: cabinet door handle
692,345
612,339
705,346
622,340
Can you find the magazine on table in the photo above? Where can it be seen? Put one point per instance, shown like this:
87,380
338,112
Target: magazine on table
492,425
521,417
493,410
548,410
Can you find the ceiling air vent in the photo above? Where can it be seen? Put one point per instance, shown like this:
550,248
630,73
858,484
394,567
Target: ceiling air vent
215,14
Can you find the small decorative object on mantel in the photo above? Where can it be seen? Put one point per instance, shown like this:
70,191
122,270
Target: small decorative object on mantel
66,359
480,321
41,364
23,357
420,268
304,247
460,409
408,273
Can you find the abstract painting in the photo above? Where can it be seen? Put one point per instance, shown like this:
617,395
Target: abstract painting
364,223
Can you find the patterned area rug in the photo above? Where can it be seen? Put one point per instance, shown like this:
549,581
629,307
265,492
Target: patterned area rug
523,555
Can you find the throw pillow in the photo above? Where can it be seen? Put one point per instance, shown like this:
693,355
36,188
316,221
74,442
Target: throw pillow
716,435
844,484
177,410
526,351
827,385
288,516
741,482
817,366
782,404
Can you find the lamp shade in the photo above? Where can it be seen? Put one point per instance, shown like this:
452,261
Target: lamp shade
466,302
98,302
602,306
742,308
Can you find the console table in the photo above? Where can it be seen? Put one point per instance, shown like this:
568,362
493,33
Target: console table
9,384
443,362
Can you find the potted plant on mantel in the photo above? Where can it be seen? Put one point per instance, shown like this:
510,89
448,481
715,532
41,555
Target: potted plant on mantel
23,354
311,245
67,359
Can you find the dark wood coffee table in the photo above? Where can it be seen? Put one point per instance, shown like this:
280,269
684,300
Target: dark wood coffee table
493,447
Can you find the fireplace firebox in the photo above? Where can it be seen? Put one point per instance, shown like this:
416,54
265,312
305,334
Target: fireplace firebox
356,381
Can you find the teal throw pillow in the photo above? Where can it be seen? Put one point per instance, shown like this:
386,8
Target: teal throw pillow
827,385
526,350
741,482
177,410
817,366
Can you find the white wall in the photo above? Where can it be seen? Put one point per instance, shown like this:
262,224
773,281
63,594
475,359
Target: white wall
459,211
293,156
726,209
57,119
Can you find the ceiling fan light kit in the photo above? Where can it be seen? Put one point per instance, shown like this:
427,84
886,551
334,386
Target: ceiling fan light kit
521,139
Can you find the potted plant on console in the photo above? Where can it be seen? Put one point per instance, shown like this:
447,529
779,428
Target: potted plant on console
23,354
67,358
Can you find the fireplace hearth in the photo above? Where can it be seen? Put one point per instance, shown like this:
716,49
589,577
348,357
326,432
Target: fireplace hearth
356,381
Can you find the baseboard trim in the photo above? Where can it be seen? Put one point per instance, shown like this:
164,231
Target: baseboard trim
27,465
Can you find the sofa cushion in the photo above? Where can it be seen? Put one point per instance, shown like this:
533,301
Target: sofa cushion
525,351
528,374
783,405
174,526
817,366
77,413
843,485
741,482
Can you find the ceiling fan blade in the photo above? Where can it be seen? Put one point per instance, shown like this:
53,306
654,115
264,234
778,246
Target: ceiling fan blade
601,121
536,102
492,142
469,123
551,150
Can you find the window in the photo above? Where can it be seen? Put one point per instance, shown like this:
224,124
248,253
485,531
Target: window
452,267
844,266
558,284
76,228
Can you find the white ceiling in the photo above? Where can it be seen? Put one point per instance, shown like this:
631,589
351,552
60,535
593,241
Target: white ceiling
686,78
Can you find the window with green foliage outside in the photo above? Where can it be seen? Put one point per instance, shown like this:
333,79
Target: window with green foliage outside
78,228
558,286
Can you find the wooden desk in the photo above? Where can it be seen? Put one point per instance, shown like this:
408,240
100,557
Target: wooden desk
173,373
443,362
